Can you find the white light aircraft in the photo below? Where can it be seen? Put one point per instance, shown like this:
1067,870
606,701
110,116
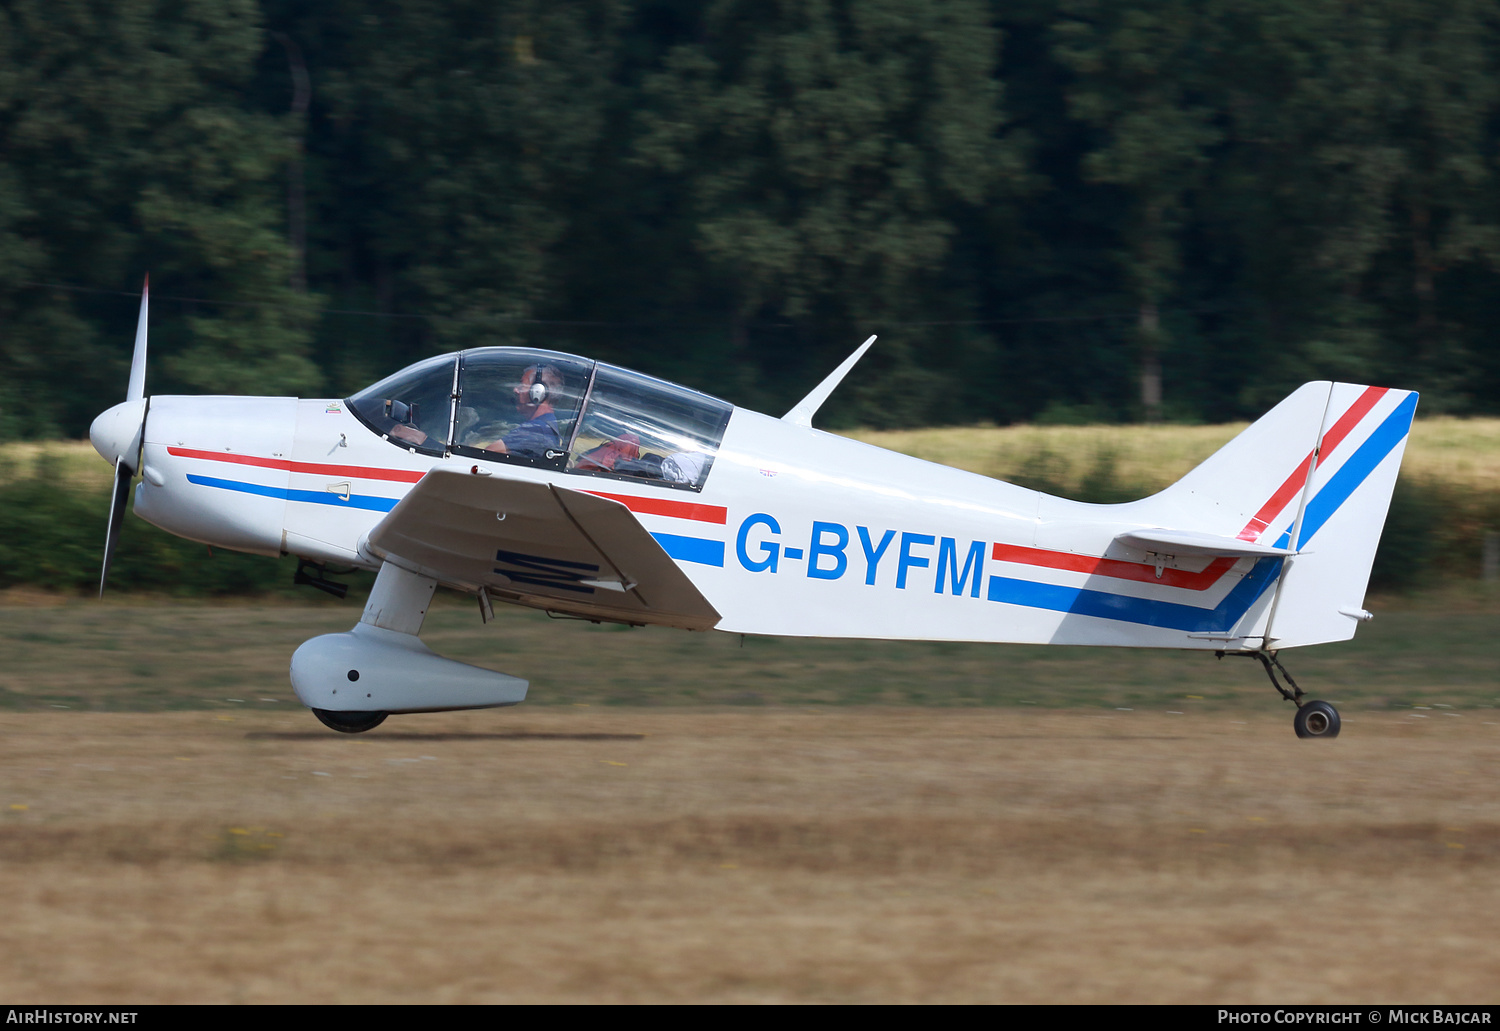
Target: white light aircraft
588,490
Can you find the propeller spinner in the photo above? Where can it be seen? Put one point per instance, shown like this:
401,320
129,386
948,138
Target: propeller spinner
117,434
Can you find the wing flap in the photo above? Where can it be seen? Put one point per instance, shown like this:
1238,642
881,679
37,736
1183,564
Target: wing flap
633,553
539,545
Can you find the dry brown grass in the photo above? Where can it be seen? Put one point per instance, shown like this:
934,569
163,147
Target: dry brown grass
580,854
73,462
138,654
1459,452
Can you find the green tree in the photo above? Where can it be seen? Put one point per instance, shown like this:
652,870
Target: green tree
1440,100
1294,212
1355,185
127,148
450,142
1141,79
825,152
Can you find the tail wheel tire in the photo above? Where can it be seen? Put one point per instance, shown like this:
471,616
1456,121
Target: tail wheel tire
1317,719
359,722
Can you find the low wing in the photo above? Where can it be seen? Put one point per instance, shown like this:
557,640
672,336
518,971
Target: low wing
541,545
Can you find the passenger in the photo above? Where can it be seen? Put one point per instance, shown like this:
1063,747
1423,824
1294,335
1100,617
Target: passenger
539,433
607,456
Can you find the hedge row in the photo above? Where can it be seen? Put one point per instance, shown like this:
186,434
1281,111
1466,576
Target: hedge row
53,537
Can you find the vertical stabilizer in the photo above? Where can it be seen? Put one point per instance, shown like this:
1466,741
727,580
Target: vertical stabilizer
1322,590
1313,476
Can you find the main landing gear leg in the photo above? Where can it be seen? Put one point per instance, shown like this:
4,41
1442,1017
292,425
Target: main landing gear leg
352,681
1313,718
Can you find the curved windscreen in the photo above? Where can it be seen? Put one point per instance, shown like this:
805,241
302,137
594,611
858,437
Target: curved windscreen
636,427
518,404
543,408
413,407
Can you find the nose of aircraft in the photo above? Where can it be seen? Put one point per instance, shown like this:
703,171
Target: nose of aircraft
116,433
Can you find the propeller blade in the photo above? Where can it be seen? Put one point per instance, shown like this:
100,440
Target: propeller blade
117,505
137,388
119,433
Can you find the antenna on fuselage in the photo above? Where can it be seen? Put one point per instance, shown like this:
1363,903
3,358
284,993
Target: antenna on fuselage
802,413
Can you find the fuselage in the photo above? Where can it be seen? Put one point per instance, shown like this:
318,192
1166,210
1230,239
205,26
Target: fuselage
795,531
787,530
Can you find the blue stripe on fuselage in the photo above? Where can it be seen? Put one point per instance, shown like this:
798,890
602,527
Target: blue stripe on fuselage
1167,614
685,549
313,497
692,549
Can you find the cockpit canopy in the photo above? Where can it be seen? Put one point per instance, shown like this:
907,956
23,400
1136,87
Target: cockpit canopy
549,410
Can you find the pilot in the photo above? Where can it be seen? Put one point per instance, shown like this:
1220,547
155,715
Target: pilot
539,433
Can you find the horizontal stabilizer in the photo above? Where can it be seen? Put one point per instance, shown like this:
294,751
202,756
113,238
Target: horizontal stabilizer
1188,542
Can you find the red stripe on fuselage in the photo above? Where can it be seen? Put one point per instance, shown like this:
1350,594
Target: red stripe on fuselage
650,506
667,507
315,468
1115,568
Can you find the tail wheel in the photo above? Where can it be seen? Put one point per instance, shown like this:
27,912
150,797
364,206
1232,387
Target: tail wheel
1317,719
359,722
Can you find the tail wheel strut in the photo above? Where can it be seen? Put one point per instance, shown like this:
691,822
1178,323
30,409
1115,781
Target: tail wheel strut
1313,718
1267,659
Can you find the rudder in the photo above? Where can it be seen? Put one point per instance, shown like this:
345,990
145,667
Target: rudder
1322,590
1320,467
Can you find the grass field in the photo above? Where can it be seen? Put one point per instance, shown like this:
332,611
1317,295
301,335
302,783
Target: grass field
1463,453
675,817
570,854
142,655
678,817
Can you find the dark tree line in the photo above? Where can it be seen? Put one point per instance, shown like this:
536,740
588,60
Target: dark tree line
1054,209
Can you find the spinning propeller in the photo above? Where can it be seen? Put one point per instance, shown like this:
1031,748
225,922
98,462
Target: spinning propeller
117,435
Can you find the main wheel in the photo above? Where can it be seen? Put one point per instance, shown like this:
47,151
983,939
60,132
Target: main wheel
359,722
1316,719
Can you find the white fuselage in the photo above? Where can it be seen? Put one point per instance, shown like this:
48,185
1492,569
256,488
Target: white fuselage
795,532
